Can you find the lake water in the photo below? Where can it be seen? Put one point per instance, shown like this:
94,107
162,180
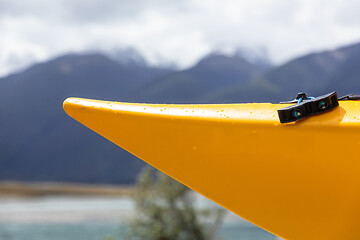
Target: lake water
91,218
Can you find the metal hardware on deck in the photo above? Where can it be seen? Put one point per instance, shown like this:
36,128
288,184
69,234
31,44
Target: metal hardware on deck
351,96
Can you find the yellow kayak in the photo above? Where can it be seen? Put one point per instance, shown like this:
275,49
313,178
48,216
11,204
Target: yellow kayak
297,180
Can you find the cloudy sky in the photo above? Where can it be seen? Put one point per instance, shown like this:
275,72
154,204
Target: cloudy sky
172,31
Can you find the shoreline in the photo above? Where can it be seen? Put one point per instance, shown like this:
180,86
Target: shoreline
41,189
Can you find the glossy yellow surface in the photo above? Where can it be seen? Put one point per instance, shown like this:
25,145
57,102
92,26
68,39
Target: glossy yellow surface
299,180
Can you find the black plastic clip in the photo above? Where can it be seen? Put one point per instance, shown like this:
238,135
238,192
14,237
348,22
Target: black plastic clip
307,106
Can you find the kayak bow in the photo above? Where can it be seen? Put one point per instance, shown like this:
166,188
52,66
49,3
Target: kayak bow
297,180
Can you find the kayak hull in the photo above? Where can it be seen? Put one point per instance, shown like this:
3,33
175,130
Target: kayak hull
298,180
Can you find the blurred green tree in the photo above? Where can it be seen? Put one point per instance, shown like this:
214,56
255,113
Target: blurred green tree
165,211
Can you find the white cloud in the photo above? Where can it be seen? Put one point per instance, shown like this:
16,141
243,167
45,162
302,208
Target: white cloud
174,31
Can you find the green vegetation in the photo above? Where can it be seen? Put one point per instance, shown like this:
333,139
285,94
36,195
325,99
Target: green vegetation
165,211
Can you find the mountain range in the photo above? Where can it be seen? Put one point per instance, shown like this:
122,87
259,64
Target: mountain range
39,142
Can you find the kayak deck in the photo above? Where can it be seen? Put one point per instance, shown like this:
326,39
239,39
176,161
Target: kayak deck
297,180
